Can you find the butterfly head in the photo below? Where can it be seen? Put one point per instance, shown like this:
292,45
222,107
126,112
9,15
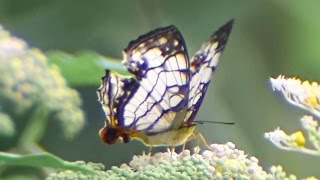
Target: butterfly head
110,135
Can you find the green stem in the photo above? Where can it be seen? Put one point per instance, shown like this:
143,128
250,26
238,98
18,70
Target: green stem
41,160
34,130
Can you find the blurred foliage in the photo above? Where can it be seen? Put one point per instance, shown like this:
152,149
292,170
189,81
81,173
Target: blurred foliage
31,91
29,84
83,68
6,125
269,38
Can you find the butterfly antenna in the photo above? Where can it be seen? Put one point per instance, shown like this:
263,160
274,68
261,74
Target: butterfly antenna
216,122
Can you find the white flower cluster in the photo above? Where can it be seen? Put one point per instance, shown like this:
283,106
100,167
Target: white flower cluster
304,95
221,161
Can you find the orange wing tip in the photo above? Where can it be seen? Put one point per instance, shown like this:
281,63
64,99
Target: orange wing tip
221,161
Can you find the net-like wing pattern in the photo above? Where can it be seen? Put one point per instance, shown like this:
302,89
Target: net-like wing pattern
203,65
113,91
160,63
164,94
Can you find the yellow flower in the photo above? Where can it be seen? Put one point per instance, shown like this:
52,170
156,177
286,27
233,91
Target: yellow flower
298,139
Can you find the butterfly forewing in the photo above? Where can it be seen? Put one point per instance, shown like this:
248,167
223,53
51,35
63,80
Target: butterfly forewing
203,65
159,61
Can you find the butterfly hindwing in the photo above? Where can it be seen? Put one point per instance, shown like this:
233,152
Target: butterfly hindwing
113,91
160,63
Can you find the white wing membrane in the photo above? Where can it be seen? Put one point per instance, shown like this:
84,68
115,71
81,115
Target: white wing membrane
112,92
160,63
203,65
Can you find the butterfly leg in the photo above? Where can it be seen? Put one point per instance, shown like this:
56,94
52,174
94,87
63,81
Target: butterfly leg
150,150
184,146
172,149
197,147
198,136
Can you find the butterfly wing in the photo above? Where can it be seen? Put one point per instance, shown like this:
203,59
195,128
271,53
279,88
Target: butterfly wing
113,91
160,63
203,65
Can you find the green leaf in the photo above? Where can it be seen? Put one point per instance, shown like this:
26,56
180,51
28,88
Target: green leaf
84,68
41,160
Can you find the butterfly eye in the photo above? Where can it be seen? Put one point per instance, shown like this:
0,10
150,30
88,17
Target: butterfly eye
126,138
109,135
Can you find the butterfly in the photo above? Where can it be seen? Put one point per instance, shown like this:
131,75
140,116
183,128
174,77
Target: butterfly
158,103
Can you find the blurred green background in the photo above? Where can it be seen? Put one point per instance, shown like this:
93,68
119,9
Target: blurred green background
268,38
